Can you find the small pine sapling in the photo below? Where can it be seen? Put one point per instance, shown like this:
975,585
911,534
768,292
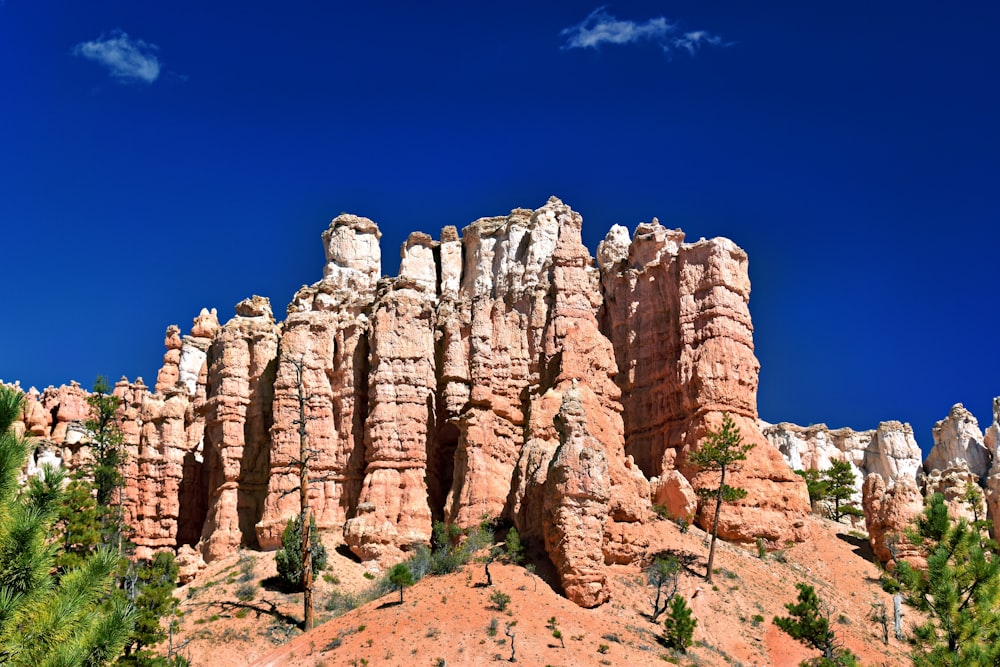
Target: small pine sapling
679,625
513,549
289,559
553,625
500,600
809,623
815,485
400,577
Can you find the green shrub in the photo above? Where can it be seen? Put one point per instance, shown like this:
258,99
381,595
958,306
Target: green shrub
513,548
500,600
246,592
289,557
679,625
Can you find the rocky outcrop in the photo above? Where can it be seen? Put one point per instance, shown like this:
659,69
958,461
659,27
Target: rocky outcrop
393,509
954,483
323,358
957,438
238,421
676,496
678,318
889,512
169,373
576,507
991,439
501,374
889,450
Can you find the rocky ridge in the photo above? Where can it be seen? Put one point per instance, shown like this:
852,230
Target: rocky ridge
893,481
502,374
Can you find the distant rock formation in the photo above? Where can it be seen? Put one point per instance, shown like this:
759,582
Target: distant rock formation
501,374
892,480
889,450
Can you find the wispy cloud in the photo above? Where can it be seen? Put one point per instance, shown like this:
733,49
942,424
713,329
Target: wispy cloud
600,27
127,60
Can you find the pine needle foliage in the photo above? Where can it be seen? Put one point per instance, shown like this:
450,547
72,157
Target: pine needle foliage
151,590
44,621
401,577
815,485
721,451
839,478
109,441
959,592
809,623
679,625
289,557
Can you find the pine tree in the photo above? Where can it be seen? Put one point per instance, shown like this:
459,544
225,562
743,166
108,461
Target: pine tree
809,623
401,577
43,621
959,592
679,625
289,557
79,523
109,442
720,451
839,478
151,592
513,548
815,485
663,575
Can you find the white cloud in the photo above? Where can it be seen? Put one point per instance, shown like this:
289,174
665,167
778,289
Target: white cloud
691,41
127,59
602,28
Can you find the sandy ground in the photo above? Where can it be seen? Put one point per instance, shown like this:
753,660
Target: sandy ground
447,620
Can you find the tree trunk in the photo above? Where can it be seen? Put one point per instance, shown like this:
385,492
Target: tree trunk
304,521
715,525
897,611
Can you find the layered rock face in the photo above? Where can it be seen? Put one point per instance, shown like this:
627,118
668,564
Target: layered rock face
238,421
501,374
325,339
163,500
576,508
889,450
889,512
678,318
957,438
393,511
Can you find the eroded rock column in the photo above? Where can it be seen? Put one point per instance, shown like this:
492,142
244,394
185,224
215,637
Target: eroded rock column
393,511
238,423
326,332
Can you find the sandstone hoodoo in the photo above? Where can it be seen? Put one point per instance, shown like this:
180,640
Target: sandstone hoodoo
502,374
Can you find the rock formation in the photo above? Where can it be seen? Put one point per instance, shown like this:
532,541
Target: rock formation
991,439
676,495
577,498
501,374
678,318
393,510
326,335
889,450
238,420
889,512
957,438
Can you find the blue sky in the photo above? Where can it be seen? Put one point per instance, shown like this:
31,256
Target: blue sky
160,157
